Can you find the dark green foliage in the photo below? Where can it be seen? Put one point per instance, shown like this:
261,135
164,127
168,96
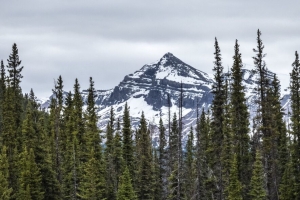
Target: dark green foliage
75,143
144,155
257,190
57,129
43,156
295,121
93,183
235,186
92,132
2,92
118,161
12,108
157,185
240,120
227,146
29,134
217,135
162,160
128,142
29,181
189,176
108,154
14,68
125,190
14,80
287,184
173,143
202,149
5,190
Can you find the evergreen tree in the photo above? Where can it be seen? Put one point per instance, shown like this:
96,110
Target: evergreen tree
174,180
118,161
59,138
257,190
29,134
75,144
201,157
157,192
108,154
92,132
125,190
5,190
173,143
217,119
144,182
9,137
240,120
235,186
162,160
12,112
189,166
295,120
15,77
93,183
227,146
287,182
29,182
280,127
43,156
128,150
264,113
2,92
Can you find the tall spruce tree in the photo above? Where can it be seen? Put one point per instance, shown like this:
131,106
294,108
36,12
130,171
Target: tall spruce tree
257,190
75,144
15,76
288,182
92,184
235,186
227,151
118,161
2,92
5,190
59,138
217,120
162,159
264,113
202,168
295,121
29,181
128,150
189,170
108,154
240,120
175,184
144,182
12,115
125,190
44,160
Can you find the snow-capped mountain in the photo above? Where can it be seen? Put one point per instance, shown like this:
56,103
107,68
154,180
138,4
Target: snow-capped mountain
148,88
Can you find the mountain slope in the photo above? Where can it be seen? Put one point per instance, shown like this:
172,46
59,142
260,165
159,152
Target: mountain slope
148,89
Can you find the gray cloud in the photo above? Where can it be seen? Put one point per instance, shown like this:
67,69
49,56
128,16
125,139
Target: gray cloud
109,39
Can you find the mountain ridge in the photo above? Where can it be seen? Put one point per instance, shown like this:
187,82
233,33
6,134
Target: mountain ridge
148,88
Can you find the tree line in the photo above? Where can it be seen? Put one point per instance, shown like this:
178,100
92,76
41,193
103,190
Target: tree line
62,154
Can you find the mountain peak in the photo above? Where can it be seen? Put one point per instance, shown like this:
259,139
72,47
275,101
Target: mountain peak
168,55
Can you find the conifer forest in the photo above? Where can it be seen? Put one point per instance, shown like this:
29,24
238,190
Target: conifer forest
60,153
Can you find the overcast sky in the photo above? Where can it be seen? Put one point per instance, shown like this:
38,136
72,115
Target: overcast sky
110,39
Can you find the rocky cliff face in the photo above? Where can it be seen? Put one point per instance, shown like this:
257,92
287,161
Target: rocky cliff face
148,89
